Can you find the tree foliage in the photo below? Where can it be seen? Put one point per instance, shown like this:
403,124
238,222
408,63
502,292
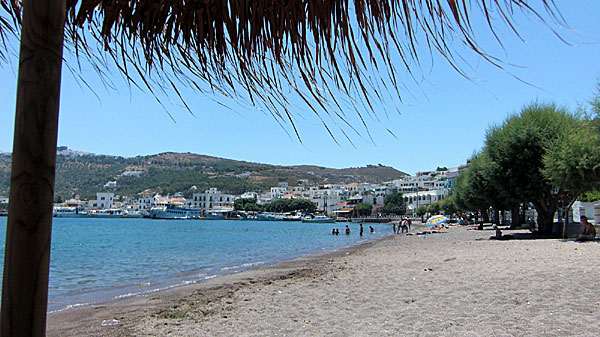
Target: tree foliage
434,208
363,209
534,156
421,210
247,204
291,205
448,206
393,204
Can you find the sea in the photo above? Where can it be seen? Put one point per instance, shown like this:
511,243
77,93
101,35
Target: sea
95,260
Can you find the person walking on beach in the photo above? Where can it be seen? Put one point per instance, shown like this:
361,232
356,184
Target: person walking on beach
394,227
347,230
361,230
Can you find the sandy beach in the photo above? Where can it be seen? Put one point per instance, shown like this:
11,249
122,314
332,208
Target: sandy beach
455,283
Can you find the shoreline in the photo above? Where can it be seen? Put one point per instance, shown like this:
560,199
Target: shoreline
88,318
185,279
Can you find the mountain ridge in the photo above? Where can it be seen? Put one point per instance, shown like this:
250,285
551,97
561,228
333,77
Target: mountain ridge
84,174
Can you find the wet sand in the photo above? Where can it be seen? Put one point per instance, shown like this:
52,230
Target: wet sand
455,283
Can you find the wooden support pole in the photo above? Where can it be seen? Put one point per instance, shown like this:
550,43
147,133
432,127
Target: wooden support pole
29,226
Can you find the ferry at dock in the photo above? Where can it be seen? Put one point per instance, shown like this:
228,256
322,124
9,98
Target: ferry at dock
174,212
106,213
68,212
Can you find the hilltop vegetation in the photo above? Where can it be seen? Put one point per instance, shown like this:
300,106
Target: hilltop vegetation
168,173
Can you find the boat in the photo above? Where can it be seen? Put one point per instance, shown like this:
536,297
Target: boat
133,214
269,217
319,219
215,216
68,212
174,212
106,213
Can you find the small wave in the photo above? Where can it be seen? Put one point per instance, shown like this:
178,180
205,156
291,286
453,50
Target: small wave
70,306
243,265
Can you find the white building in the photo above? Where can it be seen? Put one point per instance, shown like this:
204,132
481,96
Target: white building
103,201
414,200
249,195
277,192
110,184
145,202
212,200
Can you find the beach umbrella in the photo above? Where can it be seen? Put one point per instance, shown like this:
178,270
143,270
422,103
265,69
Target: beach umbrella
261,51
436,220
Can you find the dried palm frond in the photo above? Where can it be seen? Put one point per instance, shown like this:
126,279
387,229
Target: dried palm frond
336,56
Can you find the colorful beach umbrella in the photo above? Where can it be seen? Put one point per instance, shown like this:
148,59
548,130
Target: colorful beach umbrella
436,220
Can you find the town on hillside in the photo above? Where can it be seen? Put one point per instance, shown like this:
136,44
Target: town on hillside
335,201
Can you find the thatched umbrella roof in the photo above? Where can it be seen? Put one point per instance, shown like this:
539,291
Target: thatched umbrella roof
336,56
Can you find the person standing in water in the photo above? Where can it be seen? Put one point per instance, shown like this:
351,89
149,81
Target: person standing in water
361,230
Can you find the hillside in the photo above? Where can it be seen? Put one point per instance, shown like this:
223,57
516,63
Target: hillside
167,173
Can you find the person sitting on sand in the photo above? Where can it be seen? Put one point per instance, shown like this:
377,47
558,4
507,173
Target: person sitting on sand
499,235
498,231
589,232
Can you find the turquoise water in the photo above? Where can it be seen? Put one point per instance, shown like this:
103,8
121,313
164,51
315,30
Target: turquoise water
96,260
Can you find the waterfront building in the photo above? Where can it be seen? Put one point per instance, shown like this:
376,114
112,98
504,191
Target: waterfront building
103,201
212,200
145,203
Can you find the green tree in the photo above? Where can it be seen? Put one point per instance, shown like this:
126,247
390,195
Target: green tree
448,205
421,211
434,208
363,209
291,205
517,149
246,204
393,204
474,189
572,161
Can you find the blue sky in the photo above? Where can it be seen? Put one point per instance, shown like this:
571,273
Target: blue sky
442,121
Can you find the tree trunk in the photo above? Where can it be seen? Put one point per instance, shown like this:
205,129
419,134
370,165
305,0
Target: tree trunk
515,217
545,218
485,216
566,216
29,225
